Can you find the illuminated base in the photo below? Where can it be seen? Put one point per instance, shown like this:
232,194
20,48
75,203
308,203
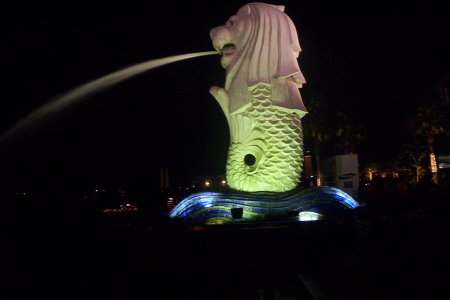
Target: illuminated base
218,208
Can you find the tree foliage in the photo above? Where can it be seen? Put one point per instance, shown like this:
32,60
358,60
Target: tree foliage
333,128
432,119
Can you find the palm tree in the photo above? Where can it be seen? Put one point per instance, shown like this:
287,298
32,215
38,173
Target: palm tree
317,125
370,168
431,121
415,152
350,132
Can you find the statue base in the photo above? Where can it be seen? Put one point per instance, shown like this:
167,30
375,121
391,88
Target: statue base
316,203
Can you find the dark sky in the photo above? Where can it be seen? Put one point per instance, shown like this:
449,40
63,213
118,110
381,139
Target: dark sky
379,59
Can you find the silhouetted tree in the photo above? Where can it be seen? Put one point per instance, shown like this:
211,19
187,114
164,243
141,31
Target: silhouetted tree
414,154
350,132
370,168
433,119
317,125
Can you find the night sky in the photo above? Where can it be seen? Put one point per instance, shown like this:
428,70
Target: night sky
378,59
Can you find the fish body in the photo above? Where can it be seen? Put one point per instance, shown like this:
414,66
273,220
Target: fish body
261,99
266,149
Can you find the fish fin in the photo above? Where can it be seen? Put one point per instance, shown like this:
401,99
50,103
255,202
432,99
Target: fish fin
221,96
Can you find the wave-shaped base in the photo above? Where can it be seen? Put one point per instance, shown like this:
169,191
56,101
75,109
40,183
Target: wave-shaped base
212,208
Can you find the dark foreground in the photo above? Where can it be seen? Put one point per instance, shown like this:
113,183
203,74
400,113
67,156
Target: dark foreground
131,257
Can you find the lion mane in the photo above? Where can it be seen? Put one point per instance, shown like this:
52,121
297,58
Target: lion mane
268,52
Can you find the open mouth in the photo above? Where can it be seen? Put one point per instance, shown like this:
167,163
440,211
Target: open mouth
228,49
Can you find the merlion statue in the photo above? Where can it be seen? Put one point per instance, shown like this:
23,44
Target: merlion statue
261,98
263,107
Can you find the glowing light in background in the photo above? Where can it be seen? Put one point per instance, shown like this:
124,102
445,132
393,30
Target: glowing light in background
434,168
170,203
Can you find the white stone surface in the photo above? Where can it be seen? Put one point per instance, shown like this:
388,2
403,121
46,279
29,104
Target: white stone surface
261,98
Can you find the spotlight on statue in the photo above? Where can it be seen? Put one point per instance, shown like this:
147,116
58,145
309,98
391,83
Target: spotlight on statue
262,104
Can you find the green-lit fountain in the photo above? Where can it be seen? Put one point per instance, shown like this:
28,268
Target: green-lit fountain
262,104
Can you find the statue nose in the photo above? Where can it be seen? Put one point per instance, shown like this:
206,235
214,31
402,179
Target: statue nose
220,33
211,32
220,36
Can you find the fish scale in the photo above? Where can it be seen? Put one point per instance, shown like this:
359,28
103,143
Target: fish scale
278,166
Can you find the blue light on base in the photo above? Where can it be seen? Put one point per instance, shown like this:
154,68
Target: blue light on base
215,208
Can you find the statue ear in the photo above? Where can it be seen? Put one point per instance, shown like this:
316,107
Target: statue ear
280,7
245,10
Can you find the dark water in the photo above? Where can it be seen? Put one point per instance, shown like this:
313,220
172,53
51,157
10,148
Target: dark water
53,250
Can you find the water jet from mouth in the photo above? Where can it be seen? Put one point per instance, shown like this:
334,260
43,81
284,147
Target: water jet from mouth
80,93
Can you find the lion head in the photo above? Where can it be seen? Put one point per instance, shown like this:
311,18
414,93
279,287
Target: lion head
260,44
